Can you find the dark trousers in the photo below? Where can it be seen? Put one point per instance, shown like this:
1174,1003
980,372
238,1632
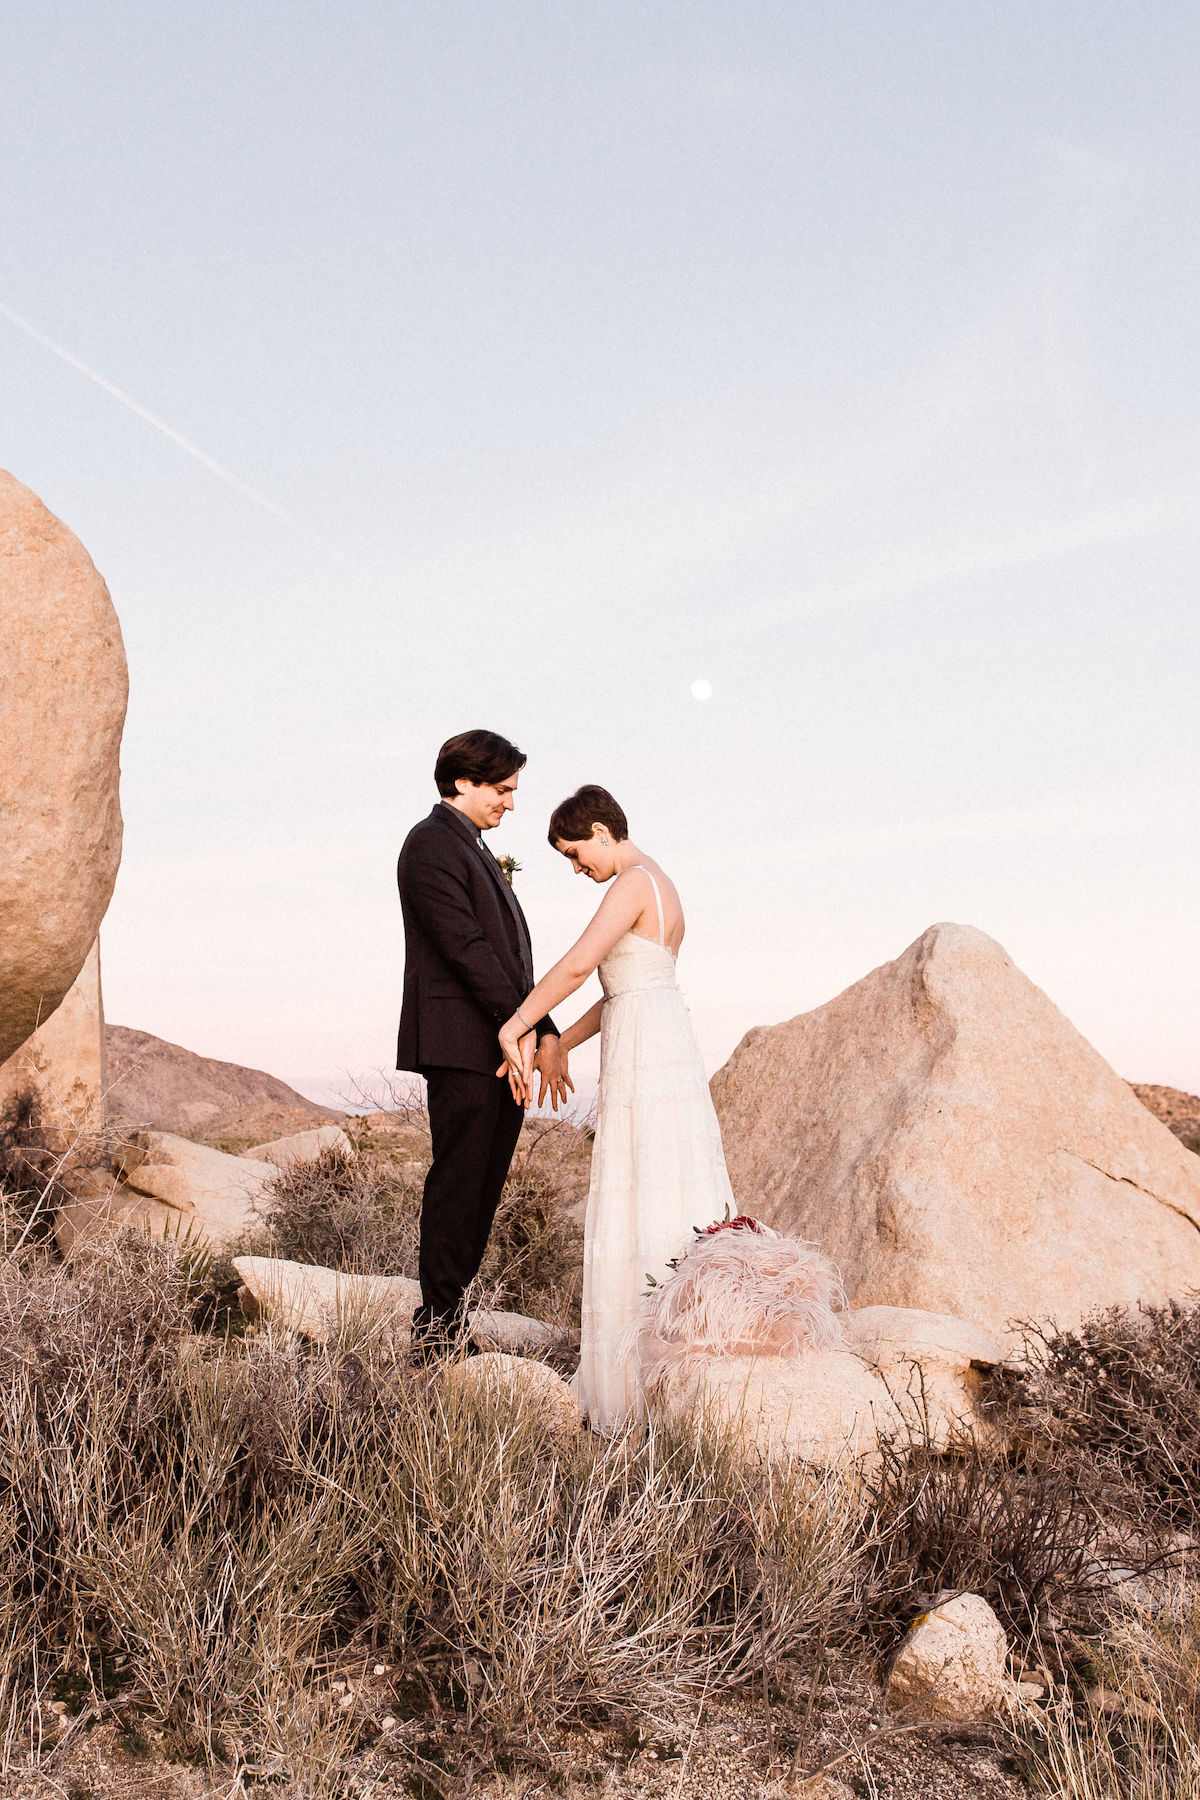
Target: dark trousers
474,1123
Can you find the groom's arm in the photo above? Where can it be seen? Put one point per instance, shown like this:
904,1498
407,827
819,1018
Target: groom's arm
441,902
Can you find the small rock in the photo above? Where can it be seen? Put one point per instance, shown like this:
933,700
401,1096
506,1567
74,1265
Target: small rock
952,1664
824,1787
1113,1703
509,1331
520,1378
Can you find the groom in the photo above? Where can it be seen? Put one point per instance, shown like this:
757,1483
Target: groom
468,965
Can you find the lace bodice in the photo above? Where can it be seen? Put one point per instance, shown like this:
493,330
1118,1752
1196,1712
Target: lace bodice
634,965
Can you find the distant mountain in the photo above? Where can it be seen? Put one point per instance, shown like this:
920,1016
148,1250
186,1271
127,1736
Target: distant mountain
1180,1112
151,1082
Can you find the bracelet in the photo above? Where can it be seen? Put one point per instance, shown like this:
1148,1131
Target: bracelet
525,1022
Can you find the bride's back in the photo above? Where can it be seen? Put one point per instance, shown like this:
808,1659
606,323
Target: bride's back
661,919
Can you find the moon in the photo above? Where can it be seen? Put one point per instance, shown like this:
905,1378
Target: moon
702,690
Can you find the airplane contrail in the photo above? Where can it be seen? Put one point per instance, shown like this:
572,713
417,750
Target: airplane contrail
176,437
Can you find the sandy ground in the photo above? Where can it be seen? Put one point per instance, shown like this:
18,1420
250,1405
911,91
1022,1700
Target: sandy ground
717,1750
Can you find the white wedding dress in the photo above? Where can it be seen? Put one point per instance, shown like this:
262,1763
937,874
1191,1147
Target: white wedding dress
658,1168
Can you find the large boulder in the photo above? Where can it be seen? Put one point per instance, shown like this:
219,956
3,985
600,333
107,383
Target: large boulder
897,1373
319,1303
63,689
956,1146
827,1408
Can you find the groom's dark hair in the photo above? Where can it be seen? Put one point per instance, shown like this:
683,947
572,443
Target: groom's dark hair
479,756
571,822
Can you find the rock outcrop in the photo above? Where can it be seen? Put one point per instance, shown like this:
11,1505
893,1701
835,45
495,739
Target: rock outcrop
953,1664
63,689
155,1083
317,1303
1178,1110
176,1187
62,1065
898,1374
955,1145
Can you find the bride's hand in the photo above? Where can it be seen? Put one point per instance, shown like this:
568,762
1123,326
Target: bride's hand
517,1043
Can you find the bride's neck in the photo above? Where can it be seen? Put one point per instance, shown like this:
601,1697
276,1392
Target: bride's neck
626,857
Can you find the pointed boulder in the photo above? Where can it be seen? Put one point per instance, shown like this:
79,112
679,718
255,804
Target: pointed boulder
954,1144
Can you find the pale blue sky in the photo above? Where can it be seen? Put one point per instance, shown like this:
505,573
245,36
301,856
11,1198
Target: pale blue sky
845,356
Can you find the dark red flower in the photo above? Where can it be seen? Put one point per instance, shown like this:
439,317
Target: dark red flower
743,1222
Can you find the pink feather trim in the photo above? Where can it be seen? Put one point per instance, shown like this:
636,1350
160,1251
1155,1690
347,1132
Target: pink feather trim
744,1292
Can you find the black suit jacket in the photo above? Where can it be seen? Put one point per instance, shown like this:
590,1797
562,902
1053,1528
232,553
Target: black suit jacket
468,963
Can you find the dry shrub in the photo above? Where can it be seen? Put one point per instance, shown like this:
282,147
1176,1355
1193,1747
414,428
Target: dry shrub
344,1212
534,1259
1119,1402
30,1186
976,1518
363,1212
610,1574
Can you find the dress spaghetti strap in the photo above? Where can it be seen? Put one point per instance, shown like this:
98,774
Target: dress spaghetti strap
662,930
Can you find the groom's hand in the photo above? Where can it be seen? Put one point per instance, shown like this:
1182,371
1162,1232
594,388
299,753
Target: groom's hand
550,1066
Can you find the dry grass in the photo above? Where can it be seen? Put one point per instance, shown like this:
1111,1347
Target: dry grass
194,1530
200,1535
1129,1729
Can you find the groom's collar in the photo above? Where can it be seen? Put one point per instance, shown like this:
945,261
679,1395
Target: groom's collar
458,820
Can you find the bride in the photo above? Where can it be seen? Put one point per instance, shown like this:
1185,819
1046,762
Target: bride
658,1168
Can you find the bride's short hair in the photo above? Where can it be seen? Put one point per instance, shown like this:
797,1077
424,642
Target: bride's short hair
572,820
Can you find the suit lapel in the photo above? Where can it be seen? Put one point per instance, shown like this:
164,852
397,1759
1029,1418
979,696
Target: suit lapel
480,849
514,907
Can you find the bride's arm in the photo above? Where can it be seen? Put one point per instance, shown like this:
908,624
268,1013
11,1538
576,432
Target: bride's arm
584,1028
617,913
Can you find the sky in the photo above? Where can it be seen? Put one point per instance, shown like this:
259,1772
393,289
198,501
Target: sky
412,367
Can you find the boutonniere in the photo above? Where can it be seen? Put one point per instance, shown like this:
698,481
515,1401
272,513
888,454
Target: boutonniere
508,866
